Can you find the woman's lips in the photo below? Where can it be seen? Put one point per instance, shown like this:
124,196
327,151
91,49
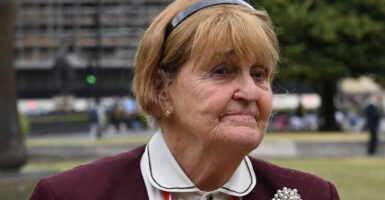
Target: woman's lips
238,115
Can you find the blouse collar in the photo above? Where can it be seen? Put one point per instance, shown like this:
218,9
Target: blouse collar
165,174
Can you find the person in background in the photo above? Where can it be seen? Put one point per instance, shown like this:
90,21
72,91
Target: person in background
203,73
373,117
115,114
130,113
97,118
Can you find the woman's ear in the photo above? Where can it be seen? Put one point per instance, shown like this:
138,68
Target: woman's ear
166,101
164,84
165,97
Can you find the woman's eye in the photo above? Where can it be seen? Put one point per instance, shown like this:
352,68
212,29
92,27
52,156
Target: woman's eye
259,75
221,71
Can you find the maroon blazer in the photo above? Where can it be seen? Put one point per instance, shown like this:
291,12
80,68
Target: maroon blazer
119,178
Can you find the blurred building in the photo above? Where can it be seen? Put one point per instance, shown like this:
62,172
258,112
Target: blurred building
98,34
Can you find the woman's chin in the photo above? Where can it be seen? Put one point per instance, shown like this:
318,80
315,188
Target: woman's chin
244,137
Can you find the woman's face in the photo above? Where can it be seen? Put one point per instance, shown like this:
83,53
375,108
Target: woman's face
221,99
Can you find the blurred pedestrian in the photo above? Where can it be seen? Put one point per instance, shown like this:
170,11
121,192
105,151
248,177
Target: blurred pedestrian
116,114
131,113
280,122
97,118
373,117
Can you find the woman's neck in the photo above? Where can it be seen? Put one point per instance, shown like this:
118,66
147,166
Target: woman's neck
207,169
208,166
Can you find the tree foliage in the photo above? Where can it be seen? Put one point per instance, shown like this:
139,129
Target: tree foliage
324,41
328,40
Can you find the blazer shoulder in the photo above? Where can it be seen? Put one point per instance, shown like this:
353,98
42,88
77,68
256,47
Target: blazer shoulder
309,186
120,174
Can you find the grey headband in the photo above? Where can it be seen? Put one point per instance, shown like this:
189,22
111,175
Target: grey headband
182,15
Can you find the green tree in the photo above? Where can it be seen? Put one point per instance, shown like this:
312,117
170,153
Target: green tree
12,150
324,41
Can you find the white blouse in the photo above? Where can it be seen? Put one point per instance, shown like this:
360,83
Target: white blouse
161,172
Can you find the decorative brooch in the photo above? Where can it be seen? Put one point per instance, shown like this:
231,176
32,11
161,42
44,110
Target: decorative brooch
287,193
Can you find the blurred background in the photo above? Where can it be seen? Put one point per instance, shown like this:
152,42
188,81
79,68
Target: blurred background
66,72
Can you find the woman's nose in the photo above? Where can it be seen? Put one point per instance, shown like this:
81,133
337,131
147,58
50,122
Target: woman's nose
246,89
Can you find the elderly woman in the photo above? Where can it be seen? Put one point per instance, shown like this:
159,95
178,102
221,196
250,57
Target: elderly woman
203,72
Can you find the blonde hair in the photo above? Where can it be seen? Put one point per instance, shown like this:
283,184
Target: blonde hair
250,33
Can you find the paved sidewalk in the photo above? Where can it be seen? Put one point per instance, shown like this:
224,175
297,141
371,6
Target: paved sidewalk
291,149
81,146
